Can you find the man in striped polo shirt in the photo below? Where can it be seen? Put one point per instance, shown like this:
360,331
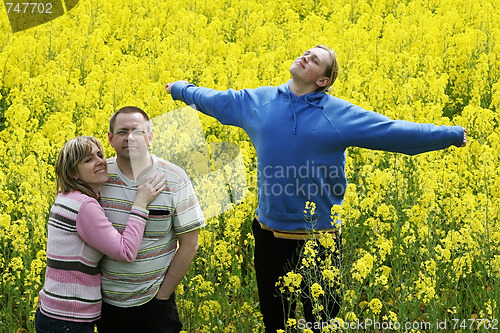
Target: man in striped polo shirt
139,296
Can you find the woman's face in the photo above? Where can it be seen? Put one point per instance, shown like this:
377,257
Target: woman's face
93,169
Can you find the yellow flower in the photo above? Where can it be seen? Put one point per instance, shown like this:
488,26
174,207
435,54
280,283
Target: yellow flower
4,221
291,322
375,306
235,282
310,209
209,309
331,276
335,212
317,308
316,291
327,240
392,317
200,286
382,277
362,267
351,317
290,282
385,247
180,289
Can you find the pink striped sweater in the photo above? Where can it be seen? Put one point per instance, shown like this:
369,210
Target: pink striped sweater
79,234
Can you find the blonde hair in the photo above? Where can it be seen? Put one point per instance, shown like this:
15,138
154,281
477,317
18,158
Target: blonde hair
332,71
72,153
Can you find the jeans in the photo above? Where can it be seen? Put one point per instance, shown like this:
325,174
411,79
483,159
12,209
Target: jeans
45,324
156,316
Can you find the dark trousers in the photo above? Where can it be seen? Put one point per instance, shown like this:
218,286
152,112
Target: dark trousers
273,258
45,324
156,316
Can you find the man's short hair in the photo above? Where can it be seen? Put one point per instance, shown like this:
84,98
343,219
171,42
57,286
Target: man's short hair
127,109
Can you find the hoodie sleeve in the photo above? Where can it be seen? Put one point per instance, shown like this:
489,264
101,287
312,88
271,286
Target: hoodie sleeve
367,129
230,107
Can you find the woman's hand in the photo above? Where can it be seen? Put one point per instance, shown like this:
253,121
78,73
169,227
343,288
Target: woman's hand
149,190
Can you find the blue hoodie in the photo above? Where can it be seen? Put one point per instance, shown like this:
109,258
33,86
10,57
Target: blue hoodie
301,142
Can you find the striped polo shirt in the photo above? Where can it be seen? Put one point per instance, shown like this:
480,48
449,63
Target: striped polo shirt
78,235
175,211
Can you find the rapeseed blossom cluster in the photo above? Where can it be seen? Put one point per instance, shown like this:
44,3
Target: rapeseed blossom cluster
362,267
290,283
421,234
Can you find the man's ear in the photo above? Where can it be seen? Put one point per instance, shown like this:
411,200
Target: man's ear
150,138
110,138
323,82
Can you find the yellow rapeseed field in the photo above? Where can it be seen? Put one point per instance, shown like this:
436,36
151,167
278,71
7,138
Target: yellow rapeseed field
421,234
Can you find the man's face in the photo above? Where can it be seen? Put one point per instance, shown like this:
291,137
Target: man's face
310,67
131,136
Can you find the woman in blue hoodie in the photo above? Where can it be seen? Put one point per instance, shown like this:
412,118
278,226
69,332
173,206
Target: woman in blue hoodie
301,134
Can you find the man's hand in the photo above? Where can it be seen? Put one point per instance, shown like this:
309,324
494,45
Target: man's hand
188,246
464,143
168,86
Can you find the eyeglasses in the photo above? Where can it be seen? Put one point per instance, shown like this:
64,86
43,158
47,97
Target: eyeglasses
135,133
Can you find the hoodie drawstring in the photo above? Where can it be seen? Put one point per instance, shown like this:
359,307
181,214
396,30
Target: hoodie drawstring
313,99
294,117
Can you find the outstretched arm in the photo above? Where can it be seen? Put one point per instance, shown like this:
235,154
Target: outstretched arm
230,107
367,129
